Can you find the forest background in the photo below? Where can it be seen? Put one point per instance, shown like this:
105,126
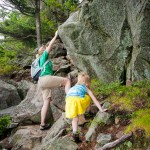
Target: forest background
27,24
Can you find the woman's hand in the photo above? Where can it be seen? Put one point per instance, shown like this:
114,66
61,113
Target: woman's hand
56,33
51,43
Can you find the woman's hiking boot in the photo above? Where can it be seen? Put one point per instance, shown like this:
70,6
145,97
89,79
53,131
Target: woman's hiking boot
44,127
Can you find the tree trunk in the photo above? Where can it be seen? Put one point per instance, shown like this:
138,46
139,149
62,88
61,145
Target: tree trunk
38,23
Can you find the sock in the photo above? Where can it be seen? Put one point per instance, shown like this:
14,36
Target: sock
75,132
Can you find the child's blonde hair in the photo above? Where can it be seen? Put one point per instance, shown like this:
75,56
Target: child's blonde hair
83,78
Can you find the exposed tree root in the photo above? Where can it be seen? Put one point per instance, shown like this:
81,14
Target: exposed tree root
115,143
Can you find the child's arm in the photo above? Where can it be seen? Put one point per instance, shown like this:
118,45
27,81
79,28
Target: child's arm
95,100
50,46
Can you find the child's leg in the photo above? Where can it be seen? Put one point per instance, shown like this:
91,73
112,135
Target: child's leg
75,135
75,124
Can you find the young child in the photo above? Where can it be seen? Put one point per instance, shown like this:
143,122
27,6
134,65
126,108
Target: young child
78,100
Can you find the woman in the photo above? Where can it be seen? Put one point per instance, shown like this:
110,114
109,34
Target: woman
47,81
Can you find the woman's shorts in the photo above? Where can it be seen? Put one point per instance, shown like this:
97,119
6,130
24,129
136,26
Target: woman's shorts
46,83
76,105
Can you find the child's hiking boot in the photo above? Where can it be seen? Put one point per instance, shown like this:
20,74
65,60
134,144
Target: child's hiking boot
75,138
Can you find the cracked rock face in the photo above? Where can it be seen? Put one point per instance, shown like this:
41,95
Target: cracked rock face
110,39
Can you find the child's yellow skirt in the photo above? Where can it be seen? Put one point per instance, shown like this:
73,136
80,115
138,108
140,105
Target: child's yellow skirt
76,105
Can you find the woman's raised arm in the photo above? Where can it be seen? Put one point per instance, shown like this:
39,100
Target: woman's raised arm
51,43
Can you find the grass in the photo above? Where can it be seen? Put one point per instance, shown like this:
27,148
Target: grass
140,120
130,100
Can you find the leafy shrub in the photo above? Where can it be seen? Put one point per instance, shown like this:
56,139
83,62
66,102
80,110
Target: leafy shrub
5,61
4,122
71,4
12,54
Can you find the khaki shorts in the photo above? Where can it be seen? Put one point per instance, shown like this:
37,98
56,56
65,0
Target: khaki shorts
46,83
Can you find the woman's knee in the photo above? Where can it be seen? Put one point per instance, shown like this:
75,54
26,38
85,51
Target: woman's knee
66,81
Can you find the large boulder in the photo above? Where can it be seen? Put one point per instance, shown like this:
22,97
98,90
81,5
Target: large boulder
53,134
28,111
62,143
23,86
8,95
58,97
110,39
26,137
100,118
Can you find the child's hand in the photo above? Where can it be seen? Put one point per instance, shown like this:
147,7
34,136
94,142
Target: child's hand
103,110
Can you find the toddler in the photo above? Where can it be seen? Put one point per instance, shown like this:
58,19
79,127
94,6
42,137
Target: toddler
77,101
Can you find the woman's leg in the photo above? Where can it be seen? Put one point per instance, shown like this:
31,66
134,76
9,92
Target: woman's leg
44,110
50,82
75,124
67,83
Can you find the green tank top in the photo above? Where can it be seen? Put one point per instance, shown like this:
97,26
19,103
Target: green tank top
48,69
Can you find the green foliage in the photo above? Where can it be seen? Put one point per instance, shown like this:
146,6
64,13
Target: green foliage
4,122
128,98
22,27
122,103
53,14
144,85
71,5
24,6
140,120
9,54
101,88
128,103
5,61
129,91
19,27
53,3
48,27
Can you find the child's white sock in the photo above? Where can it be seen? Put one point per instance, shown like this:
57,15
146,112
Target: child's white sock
75,132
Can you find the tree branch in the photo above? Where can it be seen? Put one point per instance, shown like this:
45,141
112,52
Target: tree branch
6,6
115,143
17,36
22,7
